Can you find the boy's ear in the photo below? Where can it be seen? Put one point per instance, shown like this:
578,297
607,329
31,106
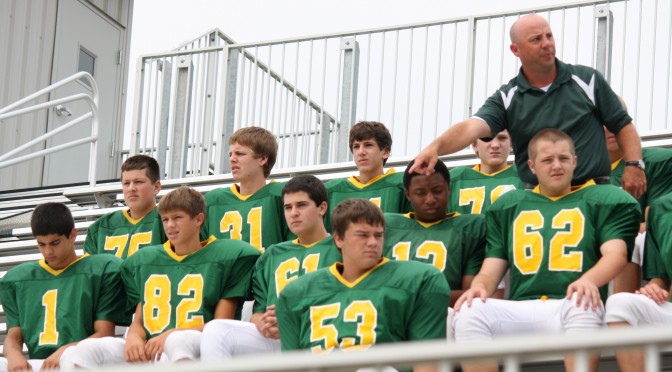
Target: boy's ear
263,160
73,234
386,153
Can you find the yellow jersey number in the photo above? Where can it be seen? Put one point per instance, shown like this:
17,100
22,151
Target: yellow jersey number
434,251
476,196
361,312
156,307
232,222
288,270
49,334
528,243
118,244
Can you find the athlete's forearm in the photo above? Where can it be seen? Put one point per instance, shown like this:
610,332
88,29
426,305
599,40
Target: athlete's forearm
609,266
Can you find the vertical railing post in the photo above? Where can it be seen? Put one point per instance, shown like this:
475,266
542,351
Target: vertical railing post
350,75
229,102
605,26
137,106
325,138
209,106
469,63
179,146
166,68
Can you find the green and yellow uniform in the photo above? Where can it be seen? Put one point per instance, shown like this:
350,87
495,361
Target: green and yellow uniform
578,102
455,245
472,191
386,191
258,218
57,307
183,291
394,301
658,174
550,242
283,263
120,234
658,248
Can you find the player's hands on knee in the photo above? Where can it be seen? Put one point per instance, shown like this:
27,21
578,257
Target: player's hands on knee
269,324
586,293
469,295
634,181
53,361
134,350
18,364
154,347
654,292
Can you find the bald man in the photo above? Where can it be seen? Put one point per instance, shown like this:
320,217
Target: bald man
548,93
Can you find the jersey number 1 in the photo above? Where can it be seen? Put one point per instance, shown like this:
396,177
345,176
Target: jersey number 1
49,334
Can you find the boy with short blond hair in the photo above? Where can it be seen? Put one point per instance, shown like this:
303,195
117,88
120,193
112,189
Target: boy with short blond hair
370,143
122,233
250,210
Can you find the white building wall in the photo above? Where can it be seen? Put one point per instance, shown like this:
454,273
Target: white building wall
27,30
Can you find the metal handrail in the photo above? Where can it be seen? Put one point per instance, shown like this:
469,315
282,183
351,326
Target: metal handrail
11,111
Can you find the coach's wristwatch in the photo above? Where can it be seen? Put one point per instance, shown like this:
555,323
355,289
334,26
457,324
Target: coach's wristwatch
636,163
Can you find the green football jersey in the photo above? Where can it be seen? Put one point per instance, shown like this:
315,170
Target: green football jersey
550,242
183,291
386,191
283,263
455,245
258,219
394,301
472,192
119,234
57,307
658,174
658,246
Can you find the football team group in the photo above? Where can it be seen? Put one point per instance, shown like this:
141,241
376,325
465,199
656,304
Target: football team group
465,254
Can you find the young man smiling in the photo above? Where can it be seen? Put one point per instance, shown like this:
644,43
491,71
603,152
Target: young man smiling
474,189
122,233
365,300
562,244
305,203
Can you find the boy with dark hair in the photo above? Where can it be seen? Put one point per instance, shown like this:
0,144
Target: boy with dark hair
370,143
562,244
475,188
56,302
305,203
452,243
176,288
348,305
252,209
122,233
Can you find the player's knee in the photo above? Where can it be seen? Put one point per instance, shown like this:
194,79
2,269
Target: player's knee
93,352
620,308
470,321
183,345
578,318
217,339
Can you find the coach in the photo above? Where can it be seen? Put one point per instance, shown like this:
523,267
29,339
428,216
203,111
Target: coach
548,93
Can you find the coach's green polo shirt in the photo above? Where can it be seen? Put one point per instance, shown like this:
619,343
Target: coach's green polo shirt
578,102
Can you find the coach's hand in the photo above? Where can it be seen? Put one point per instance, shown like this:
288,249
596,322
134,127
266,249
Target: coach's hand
134,350
469,295
425,161
634,181
586,292
655,292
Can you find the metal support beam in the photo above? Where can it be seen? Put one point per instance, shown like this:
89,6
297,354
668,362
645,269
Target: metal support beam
228,122
350,49
179,145
325,138
164,115
212,60
471,58
605,27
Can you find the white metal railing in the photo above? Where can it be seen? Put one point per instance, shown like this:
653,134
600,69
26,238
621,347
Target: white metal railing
510,351
14,110
417,79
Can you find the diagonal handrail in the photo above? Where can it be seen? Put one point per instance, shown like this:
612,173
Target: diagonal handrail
14,110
